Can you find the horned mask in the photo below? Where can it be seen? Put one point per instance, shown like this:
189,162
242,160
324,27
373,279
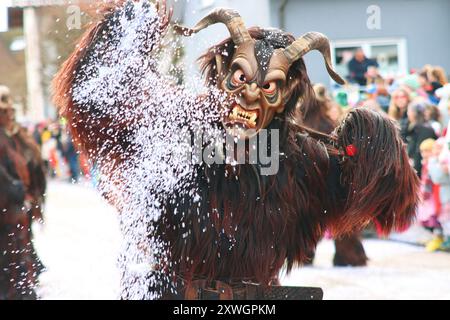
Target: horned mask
257,75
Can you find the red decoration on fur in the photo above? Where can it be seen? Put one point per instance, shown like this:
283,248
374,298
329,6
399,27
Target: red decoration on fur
351,150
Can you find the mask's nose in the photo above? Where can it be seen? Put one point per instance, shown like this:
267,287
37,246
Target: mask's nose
251,92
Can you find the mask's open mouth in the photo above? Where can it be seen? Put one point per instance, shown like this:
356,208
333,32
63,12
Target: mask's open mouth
247,118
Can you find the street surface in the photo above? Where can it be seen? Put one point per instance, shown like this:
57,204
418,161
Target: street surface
80,241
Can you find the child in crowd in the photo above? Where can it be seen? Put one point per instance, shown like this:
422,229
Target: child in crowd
438,168
429,207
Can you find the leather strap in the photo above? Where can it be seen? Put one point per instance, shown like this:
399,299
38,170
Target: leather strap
208,290
219,290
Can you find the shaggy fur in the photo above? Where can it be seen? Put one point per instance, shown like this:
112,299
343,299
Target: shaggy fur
254,224
21,170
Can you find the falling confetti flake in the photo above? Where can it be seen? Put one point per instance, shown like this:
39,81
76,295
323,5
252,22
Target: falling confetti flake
119,81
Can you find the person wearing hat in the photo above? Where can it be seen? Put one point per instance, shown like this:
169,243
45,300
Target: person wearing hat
21,156
359,66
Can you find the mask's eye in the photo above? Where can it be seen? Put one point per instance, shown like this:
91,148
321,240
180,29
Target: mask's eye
270,87
238,78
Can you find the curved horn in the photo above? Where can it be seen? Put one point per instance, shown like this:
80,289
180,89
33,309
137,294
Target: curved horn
229,17
312,41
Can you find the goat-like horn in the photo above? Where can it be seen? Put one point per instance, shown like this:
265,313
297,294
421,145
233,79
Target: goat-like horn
229,17
312,41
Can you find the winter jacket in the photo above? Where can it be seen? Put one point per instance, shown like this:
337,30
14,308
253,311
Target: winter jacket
414,136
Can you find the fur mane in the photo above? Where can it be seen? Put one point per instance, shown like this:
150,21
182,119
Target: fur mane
82,129
266,220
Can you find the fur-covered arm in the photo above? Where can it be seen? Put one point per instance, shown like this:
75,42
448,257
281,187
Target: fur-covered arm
379,182
101,87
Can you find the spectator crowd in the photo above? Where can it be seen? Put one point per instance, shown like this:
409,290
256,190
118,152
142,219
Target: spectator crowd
419,102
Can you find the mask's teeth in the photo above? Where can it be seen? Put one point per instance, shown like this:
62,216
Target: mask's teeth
234,114
248,117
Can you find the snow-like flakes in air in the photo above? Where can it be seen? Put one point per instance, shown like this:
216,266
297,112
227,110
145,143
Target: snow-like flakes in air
119,80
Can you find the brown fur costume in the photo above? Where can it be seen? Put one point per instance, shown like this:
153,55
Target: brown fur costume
20,167
262,222
349,250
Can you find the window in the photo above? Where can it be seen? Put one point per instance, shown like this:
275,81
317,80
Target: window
389,53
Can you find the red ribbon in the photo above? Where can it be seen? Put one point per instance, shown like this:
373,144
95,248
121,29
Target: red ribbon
351,150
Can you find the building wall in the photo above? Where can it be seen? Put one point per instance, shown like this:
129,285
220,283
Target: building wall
424,24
